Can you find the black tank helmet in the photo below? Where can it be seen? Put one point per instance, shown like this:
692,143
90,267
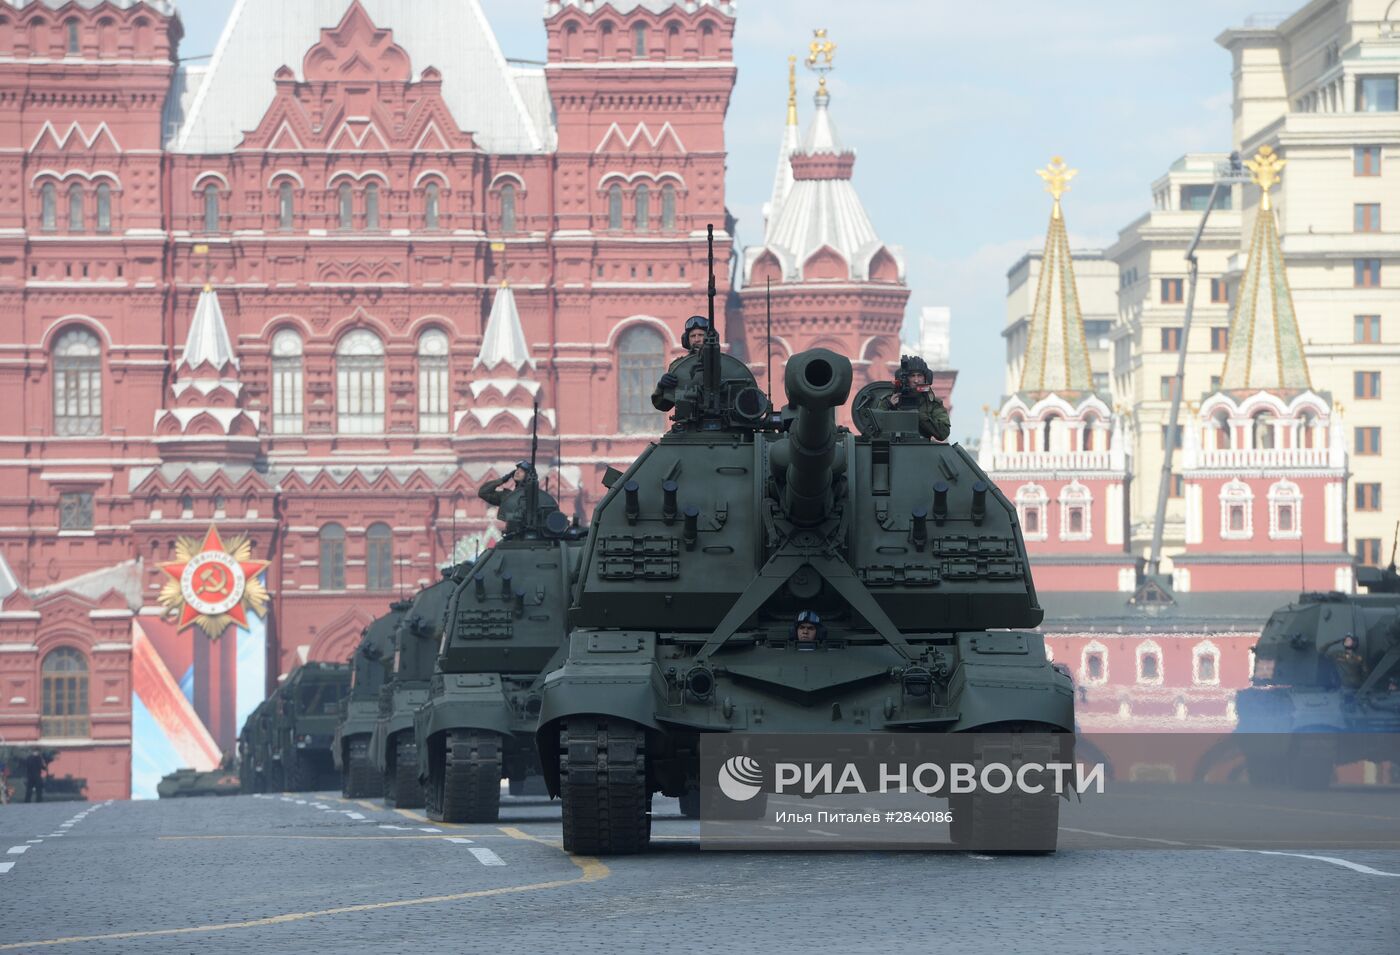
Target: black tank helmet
527,467
696,321
912,365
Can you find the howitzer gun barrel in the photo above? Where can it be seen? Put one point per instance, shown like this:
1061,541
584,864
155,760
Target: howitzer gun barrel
818,381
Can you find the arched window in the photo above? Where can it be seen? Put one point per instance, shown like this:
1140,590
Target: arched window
433,371
1149,662
379,557
1086,434
643,209
74,41
1236,511
1075,502
570,40
432,205
332,557
77,383
1030,507
372,206
507,208
614,207
64,710
1307,426
1285,511
668,208
1221,422
286,206
1205,663
359,367
211,208
1263,431
708,47
639,40
287,384
673,42
104,208
1050,433
48,204
345,199
641,359
75,208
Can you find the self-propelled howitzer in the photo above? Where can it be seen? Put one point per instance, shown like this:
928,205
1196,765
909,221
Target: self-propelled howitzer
703,553
369,667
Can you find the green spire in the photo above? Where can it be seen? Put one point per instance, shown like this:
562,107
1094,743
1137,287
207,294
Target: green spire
1266,348
1057,358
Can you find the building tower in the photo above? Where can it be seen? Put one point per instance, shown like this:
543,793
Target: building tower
1056,447
1265,459
834,283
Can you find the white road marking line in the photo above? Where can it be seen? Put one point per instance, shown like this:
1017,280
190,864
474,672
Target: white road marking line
459,840
822,832
6,867
486,857
385,825
428,829
981,858
354,815
34,840
301,802
1344,863
17,850
319,805
774,828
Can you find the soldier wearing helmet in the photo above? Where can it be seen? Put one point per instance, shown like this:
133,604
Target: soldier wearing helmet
808,632
512,504
663,398
912,393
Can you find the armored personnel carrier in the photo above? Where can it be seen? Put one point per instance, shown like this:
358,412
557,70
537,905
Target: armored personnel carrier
393,750
184,783
1326,668
301,726
701,556
505,626
360,708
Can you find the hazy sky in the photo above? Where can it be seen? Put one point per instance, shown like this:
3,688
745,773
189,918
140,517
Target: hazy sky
951,107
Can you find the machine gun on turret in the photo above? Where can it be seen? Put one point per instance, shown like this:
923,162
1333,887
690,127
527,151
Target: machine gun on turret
719,391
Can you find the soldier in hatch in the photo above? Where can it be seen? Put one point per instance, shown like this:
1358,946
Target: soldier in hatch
664,397
1350,664
512,505
808,631
912,392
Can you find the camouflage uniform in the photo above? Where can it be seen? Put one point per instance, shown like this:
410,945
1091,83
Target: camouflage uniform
933,417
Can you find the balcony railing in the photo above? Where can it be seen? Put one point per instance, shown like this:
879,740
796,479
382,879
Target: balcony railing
1051,461
1264,458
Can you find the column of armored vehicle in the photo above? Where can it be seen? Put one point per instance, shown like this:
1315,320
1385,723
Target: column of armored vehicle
597,657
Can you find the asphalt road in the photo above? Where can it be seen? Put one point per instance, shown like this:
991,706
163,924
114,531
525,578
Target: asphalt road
315,873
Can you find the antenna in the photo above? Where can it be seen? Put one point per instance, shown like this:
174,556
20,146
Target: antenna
768,306
710,233
1394,540
1302,567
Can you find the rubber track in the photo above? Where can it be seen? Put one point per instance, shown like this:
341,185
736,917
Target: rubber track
603,782
471,778
407,791
360,778
1011,822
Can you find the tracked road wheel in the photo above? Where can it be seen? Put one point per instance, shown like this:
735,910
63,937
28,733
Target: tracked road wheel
360,779
467,787
1013,822
603,784
401,786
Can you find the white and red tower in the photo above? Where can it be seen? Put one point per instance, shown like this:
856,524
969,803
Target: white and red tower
830,280
1056,447
1265,460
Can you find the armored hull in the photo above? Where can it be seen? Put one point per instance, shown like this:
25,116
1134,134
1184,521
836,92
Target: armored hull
286,743
1324,689
185,783
368,670
505,628
704,552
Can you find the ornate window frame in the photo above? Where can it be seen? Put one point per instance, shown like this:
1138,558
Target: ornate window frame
1284,494
1075,496
1236,493
1031,498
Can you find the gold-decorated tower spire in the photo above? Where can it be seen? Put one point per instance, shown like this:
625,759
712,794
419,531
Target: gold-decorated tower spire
1057,355
821,53
1266,346
792,91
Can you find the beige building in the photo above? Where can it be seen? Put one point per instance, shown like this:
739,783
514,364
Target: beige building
1320,87
1150,260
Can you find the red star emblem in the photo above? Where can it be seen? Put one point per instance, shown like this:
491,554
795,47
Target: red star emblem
213,581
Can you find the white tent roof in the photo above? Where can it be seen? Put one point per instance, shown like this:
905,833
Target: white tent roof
208,340
504,341
451,35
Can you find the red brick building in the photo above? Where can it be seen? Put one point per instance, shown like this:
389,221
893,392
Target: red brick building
311,291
